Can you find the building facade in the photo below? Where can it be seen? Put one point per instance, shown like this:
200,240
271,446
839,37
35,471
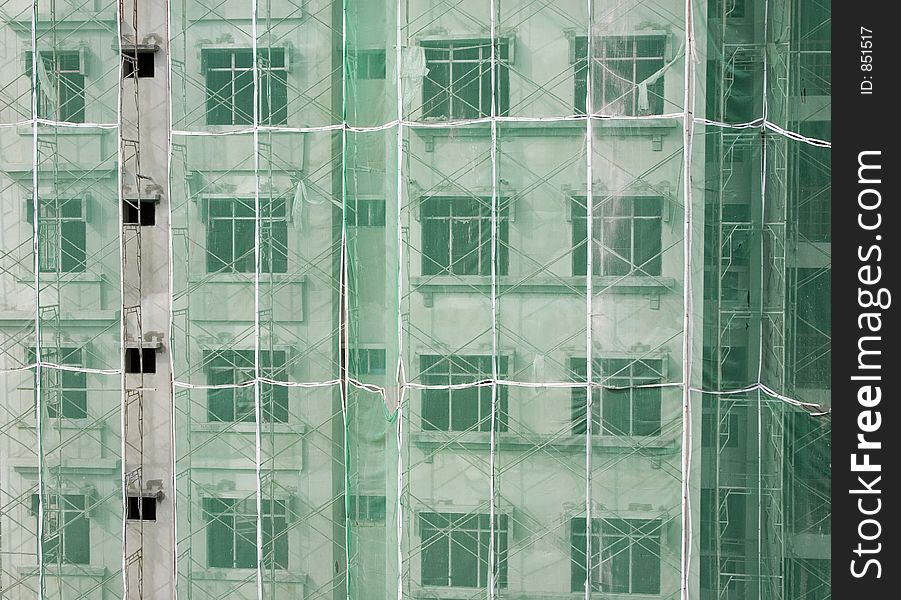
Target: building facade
419,299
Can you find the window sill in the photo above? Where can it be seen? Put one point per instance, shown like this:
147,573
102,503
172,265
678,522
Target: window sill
556,285
246,278
576,127
67,424
86,277
71,466
67,570
430,592
480,440
248,427
223,574
84,317
82,129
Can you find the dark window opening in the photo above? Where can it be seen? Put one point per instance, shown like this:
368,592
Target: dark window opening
139,212
141,508
140,360
370,64
137,63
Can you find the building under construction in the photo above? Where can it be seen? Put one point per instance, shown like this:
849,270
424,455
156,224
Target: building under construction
415,299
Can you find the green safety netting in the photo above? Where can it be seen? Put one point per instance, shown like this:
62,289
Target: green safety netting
420,299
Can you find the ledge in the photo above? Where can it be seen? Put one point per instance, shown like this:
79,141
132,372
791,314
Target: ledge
479,440
73,466
67,570
557,285
68,424
245,278
620,126
43,130
248,427
85,318
86,277
249,575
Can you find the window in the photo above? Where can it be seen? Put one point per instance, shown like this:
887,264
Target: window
458,83
367,361
727,9
139,212
140,360
466,409
63,393
229,86
627,411
62,236
137,63
232,533
625,556
456,235
367,509
60,85
627,236
365,212
455,549
228,367
623,70
370,64
230,235
141,508
67,529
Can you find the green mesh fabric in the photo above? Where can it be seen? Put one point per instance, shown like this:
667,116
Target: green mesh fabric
504,299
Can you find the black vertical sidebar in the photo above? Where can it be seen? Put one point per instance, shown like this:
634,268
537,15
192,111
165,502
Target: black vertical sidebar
866,371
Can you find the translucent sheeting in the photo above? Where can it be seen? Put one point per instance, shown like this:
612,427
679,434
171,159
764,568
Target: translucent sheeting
474,299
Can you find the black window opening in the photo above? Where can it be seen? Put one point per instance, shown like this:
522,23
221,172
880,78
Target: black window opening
141,508
62,392
231,232
64,98
463,409
138,63
229,86
456,547
238,404
139,212
458,83
623,407
67,528
231,533
625,555
626,236
456,235
140,360
626,78
62,234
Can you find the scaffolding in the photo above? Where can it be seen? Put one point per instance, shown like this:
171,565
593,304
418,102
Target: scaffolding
415,299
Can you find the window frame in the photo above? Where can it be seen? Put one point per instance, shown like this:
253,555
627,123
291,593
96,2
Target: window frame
475,527
63,248
61,511
599,535
275,550
440,402
601,396
76,79
273,251
598,68
72,356
602,265
438,259
436,94
274,398
266,75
